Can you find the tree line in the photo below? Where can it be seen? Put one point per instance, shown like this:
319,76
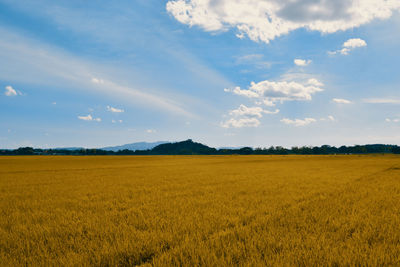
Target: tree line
189,147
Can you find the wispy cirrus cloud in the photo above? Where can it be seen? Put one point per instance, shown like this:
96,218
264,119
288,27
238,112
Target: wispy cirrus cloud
298,122
394,101
45,64
341,101
329,118
114,110
97,81
241,123
395,120
256,60
89,118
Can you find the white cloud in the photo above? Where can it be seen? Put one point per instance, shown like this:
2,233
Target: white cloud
269,92
249,58
392,120
302,62
11,91
246,111
329,118
97,81
150,131
265,20
43,64
315,82
298,122
354,43
381,101
251,111
115,121
246,117
341,101
246,93
89,118
240,123
256,60
86,118
349,45
114,110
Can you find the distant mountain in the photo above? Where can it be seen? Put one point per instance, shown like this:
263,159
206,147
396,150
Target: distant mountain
187,147
134,146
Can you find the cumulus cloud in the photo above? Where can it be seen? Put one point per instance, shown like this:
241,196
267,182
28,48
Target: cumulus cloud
302,62
241,122
269,92
382,101
265,20
89,118
115,121
9,91
315,83
150,131
114,110
354,43
349,45
341,101
298,122
246,117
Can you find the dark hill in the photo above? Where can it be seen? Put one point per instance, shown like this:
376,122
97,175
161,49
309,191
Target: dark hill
187,147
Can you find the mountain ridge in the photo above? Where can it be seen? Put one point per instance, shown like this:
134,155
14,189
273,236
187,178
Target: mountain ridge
188,147
134,146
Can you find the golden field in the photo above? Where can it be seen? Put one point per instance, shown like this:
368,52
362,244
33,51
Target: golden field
200,210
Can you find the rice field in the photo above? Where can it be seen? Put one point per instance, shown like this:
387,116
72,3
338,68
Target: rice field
200,210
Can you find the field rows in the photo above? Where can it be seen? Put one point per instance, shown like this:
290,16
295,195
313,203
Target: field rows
200,210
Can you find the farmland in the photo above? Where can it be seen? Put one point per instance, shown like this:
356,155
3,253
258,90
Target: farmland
200,210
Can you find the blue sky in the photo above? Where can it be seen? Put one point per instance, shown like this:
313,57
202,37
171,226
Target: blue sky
224,73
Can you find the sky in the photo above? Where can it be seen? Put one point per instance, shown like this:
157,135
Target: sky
225,73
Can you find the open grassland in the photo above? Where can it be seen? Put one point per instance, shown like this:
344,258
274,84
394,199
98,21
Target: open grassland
200,210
